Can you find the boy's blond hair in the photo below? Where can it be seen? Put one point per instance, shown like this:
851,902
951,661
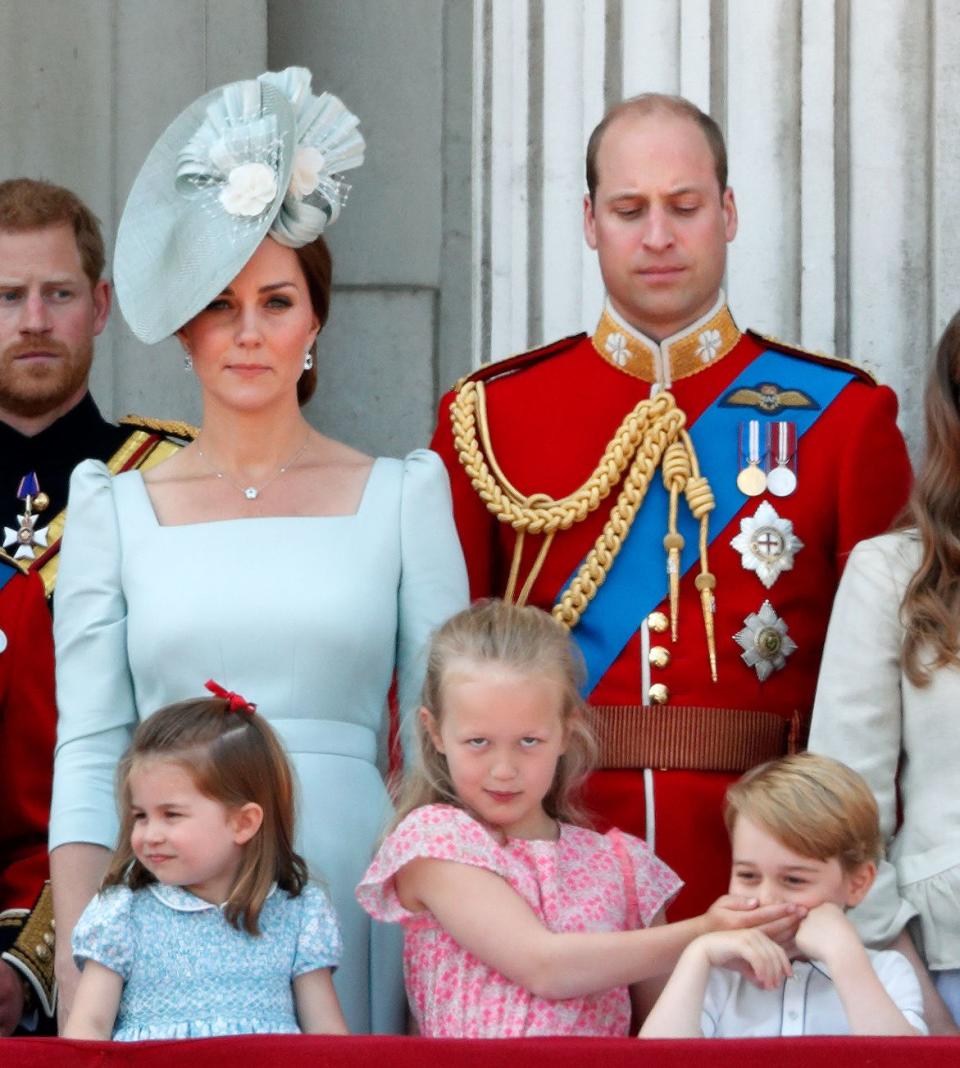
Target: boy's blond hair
812,804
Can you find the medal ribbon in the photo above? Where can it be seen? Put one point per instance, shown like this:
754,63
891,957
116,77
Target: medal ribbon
638,583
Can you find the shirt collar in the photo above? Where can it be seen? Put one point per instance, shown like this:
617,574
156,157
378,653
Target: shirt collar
181,900
685,353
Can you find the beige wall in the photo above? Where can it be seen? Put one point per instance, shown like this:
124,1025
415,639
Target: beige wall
87,87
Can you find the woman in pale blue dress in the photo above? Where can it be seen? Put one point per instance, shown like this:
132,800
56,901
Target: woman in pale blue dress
289,566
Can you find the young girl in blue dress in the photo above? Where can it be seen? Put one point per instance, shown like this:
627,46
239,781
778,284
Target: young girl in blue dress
206,923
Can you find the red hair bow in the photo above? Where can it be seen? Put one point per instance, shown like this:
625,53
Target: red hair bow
235,702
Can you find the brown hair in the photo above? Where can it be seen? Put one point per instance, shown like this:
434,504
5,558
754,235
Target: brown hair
29,204
528,641
930,611
234,758
814,805
317,266
650,104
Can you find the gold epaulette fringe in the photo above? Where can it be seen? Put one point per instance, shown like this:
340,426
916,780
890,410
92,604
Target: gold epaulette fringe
172,427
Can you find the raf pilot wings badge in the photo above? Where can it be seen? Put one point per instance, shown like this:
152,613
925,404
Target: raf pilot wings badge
767,397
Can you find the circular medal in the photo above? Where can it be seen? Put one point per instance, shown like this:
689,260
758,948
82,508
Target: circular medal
781,481
751,481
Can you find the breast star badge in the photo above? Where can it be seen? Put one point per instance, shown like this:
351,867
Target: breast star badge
765,642
766,544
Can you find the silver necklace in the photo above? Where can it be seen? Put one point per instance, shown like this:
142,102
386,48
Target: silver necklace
251,492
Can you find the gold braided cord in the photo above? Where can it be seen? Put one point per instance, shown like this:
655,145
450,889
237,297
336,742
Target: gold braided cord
547,515
653,432
597,563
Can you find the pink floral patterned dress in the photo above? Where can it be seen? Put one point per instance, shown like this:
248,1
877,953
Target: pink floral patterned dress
584,881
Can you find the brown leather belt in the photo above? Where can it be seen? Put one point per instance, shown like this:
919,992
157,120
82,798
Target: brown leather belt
690,737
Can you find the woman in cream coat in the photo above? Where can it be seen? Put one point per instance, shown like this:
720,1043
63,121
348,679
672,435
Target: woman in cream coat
888,701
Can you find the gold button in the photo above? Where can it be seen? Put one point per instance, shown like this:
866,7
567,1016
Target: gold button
659,694
48,938
659,656
658,622
42,951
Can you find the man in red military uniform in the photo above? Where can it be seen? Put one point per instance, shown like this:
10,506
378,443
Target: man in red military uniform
53,303
682,494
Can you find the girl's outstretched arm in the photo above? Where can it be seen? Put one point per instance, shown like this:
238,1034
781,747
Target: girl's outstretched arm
318,1007
95,1004
491,920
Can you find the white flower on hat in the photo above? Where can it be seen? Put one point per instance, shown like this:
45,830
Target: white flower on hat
308,166
250,188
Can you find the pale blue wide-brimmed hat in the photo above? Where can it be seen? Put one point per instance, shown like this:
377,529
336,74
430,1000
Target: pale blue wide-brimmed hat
252,158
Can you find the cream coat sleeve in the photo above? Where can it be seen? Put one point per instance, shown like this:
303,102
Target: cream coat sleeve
858,711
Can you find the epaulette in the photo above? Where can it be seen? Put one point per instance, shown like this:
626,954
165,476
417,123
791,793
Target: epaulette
818,357
172,428
522,360
149,442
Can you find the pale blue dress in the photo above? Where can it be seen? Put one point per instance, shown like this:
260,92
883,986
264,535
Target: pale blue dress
188,973
307,617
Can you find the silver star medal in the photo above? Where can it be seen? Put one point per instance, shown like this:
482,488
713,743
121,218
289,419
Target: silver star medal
27,538
765,642
766,544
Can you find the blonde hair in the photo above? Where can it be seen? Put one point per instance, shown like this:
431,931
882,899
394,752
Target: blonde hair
530,642
233,758
812,804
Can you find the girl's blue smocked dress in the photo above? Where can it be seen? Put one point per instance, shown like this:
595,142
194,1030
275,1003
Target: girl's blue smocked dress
188,973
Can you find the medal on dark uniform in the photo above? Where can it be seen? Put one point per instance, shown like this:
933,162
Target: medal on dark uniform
782,448
751,481
28,537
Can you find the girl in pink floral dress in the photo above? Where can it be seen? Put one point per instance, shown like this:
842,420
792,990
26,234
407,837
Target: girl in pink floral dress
517,919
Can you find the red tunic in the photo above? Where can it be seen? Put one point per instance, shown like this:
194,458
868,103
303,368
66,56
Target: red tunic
550,420
28,718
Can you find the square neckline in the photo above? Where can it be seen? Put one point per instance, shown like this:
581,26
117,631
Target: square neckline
151,511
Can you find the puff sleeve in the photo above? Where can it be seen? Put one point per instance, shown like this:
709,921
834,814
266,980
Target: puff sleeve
104,932
438,832
649,883
319,944
95,695
433,580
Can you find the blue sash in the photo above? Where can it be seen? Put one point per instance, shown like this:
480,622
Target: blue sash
7,571
637,582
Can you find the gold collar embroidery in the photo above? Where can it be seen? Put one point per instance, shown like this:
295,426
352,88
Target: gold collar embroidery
687,353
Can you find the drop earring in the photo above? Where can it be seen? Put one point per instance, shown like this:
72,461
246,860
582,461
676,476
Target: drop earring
187,360
308,360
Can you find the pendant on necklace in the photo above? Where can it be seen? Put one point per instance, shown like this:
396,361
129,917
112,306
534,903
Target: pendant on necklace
251,493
